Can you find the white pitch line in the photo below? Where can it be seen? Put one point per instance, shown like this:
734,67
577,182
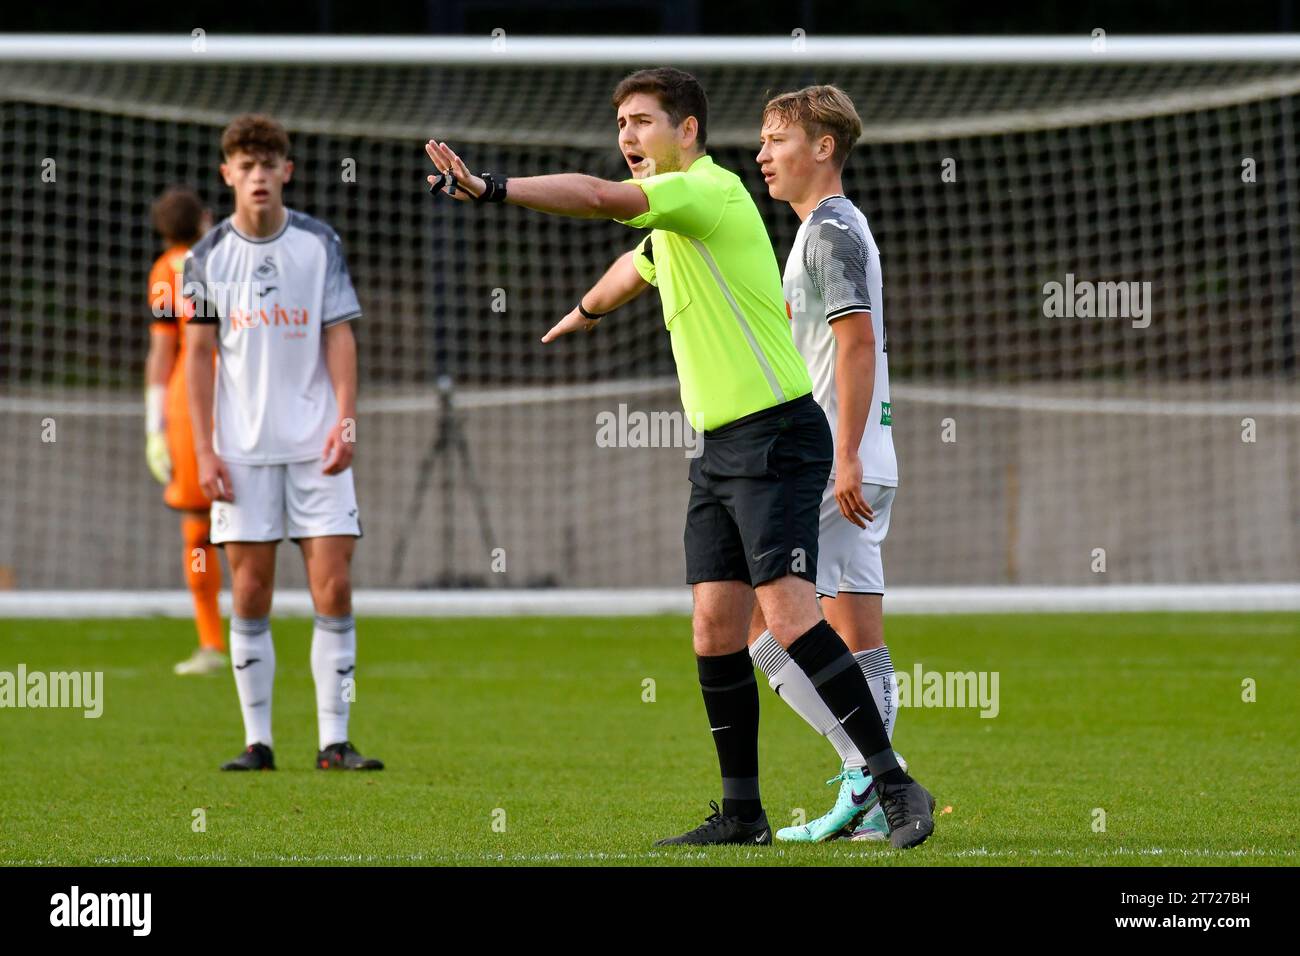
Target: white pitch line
643,602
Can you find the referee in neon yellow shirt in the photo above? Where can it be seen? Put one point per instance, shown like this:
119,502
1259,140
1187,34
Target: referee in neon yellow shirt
756,489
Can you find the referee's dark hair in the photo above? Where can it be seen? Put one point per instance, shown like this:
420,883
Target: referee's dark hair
679,93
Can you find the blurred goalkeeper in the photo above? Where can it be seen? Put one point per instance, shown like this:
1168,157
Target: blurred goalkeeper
181,219
756,489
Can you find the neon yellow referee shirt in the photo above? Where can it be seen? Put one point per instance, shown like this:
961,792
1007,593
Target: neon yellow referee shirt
710,258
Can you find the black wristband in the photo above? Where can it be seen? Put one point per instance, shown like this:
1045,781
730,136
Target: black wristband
592,316
494,188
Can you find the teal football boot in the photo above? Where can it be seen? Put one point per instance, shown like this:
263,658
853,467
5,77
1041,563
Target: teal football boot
857,798
866,823
873,827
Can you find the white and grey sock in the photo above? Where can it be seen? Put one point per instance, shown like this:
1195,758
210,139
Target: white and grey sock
333,666
252,657
878,669
793,686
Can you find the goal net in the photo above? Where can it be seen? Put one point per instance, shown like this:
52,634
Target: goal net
1090,273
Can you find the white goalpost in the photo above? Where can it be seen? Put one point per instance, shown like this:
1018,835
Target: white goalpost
1090,251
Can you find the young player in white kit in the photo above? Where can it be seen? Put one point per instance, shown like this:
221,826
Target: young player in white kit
273,299
833,295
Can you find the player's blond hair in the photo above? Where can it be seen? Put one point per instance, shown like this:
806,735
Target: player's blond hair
820,110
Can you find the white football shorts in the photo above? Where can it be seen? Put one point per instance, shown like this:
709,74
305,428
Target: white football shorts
295,499
848,557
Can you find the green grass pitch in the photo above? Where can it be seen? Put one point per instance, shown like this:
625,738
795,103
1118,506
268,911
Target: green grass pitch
528,741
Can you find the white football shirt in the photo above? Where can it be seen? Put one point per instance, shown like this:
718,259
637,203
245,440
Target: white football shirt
834,270
271,299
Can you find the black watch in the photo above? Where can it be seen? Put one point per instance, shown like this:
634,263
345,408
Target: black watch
494,188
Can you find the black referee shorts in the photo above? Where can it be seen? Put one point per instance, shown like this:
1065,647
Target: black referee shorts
756,492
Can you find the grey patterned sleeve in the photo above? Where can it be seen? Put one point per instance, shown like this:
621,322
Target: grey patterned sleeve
194,287
835,257
341,302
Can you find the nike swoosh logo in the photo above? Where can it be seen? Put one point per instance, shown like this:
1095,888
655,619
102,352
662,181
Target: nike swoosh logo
250,661
849,714
761,837
860,799
347,671
760,557
716,729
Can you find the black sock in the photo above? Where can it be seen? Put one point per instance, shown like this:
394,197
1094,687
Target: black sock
731,701
822,655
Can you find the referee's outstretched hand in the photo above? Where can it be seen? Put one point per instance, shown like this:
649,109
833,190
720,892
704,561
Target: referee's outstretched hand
467,185
575,321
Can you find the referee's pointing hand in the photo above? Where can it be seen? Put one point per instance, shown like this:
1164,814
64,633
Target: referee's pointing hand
448,163
575,321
